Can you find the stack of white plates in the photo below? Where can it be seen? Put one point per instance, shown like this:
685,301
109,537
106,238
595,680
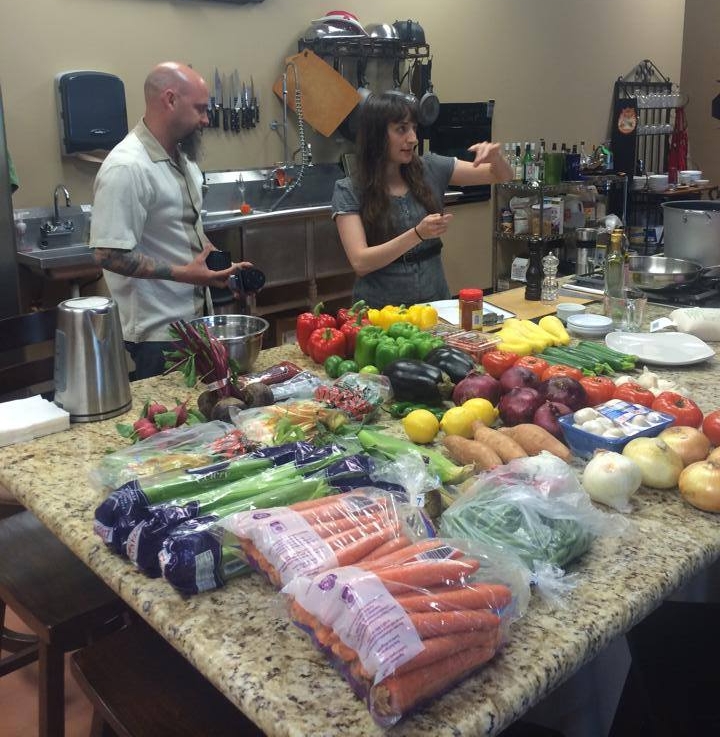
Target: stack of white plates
589,326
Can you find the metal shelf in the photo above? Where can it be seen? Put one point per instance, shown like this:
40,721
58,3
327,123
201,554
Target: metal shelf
365,47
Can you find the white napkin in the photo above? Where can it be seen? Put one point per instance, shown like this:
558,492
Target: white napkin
25,419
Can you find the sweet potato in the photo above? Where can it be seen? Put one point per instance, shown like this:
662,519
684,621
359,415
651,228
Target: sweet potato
534,439
507,448
467,452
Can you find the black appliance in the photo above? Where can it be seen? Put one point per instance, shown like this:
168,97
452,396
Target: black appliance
459,125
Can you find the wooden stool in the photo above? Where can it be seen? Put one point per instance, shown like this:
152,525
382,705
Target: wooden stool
59,598
140,686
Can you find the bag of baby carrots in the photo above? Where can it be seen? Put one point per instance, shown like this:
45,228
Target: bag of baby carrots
404,627
312,536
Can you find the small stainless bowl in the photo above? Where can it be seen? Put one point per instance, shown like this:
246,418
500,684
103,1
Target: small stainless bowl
242,336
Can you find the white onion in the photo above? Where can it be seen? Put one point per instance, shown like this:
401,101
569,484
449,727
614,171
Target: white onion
611,479
659,463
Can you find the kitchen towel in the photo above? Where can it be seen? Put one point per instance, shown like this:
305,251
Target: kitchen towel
24,419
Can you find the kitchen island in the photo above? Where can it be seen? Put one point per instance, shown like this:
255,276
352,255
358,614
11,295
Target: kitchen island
241,637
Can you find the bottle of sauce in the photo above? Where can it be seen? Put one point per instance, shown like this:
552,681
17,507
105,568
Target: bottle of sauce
615,265
471,309
534,273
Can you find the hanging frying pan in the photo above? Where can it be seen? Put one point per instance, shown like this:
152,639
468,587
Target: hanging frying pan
429,105
349,127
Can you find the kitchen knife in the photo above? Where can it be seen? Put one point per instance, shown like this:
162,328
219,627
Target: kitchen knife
244,107
218,100
227,103
211,111
254,111
235,101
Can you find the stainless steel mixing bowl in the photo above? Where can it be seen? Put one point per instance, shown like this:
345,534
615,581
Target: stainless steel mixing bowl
242,336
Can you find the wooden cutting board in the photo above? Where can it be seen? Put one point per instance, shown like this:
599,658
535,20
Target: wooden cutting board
327,97
514,300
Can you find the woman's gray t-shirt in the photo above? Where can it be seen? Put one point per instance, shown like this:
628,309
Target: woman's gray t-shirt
406,280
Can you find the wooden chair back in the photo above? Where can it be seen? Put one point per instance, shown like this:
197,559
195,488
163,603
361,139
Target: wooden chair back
27,352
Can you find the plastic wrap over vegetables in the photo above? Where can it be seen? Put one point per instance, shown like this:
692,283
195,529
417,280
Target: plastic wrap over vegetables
313,536
406,626
535,507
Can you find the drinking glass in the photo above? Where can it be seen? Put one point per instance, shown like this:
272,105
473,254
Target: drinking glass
628,311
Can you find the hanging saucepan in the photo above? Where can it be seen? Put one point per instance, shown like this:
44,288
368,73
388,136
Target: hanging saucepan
410,31
429,105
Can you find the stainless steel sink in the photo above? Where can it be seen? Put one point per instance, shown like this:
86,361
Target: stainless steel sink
63,257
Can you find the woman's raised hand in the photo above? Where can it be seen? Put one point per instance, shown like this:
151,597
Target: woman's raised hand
433,226
486,153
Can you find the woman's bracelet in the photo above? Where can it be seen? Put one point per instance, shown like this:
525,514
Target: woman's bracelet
417,233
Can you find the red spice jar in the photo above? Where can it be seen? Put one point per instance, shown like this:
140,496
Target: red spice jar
471,309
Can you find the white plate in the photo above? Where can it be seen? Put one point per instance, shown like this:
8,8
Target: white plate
661,349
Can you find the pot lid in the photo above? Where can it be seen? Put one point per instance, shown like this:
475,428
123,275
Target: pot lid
341,17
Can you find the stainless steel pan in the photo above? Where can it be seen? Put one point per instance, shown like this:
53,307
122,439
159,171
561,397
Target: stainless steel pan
659,272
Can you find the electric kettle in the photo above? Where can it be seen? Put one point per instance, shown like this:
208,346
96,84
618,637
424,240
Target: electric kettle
91,374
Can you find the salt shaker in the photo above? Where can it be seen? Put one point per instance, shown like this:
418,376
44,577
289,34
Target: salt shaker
549,292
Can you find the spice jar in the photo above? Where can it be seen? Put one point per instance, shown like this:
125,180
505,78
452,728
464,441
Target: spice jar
471,309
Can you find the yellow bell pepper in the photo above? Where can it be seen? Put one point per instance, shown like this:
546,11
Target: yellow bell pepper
423,316
554,326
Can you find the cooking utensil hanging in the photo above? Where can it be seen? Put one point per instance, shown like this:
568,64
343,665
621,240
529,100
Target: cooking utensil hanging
429,105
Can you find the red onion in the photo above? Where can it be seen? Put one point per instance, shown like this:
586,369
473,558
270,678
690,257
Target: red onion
546,417
518,377
564,390
477,385
519,405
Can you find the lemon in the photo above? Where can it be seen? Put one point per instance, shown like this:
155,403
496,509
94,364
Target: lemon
421,426
482,410
458,421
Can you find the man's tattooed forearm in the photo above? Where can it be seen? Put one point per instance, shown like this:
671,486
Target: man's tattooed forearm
131,263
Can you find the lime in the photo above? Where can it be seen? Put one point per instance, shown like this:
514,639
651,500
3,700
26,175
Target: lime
458,421
421,426
482,410
369,369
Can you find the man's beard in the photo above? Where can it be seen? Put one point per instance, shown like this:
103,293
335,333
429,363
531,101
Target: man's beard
191,145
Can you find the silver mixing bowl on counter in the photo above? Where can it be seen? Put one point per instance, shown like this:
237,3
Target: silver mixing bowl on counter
242,336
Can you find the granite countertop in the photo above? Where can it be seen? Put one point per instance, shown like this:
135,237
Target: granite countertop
241,638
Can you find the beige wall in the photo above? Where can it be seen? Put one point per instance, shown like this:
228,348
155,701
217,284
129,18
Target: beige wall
699,80
550,66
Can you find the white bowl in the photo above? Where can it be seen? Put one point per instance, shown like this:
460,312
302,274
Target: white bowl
589,325
701,182
686,176
566,309
658,182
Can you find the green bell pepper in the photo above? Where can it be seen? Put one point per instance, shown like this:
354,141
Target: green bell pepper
407,347
403,330
387,352
366,345
332,365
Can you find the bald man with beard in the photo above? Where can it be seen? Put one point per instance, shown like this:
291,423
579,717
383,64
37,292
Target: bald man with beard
146,230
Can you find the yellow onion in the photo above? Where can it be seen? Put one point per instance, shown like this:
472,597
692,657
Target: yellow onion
714,455
700,485
688,442
659,463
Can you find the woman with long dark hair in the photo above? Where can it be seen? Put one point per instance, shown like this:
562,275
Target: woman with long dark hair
390,213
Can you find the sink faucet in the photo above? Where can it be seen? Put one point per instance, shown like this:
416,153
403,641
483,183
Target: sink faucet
62,188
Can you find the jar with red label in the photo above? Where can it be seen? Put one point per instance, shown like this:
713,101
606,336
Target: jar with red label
471,309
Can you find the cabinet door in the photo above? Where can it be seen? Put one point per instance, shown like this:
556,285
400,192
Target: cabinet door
328,255
278,249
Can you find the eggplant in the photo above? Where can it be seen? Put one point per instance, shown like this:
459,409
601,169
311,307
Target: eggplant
417,381
454,362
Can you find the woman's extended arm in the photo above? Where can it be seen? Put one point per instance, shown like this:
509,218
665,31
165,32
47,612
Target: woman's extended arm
488,167
365,259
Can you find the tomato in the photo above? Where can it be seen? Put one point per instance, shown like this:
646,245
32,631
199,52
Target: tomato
562,370
711,427
634,393
684,410
599,389
537,365
496,362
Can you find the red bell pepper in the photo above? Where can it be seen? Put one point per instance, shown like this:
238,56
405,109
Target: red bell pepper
325,342
348,314
307,322
350,329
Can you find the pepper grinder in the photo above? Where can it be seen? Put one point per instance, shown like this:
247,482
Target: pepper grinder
550,289
534,272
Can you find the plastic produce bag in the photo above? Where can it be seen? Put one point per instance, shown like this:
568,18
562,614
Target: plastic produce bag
405,627
175,448
534,507
304,538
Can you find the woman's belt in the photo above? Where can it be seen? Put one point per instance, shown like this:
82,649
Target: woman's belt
424,255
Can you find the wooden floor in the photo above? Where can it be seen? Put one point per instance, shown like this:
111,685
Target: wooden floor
18,699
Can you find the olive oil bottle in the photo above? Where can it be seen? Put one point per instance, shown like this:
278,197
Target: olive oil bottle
615,265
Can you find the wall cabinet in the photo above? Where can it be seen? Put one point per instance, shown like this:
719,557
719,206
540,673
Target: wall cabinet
592,198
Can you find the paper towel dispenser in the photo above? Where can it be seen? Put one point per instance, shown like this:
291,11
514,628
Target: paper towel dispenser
92,111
